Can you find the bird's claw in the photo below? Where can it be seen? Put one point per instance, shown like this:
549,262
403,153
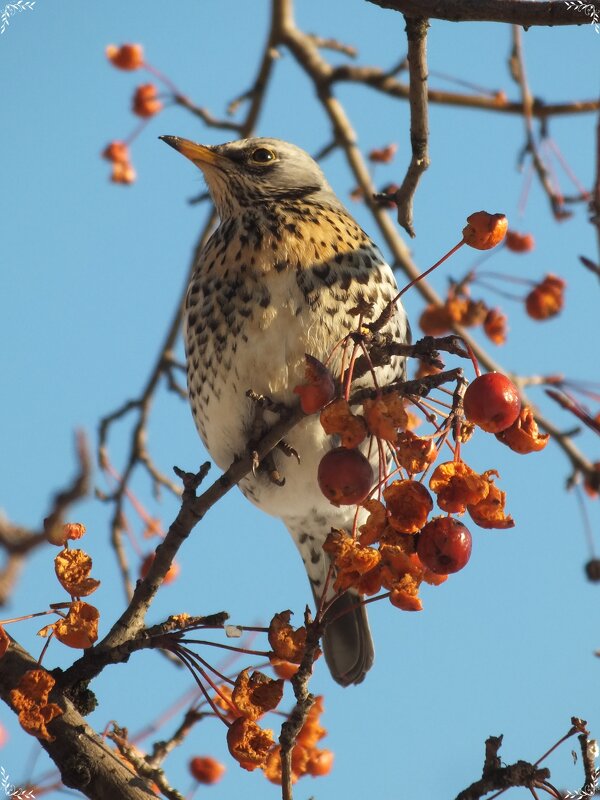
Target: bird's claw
275,478
255,461
265,403
288,450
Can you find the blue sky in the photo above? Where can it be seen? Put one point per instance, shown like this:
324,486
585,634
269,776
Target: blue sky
90,274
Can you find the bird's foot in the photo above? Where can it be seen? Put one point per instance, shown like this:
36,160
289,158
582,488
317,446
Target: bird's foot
266,465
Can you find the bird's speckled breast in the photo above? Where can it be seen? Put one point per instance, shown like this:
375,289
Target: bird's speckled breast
259,300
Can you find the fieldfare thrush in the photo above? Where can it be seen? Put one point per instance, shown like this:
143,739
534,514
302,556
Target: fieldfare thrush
276,280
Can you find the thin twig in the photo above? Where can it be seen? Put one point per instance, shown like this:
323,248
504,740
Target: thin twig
304,702
517,64
386,83
416,34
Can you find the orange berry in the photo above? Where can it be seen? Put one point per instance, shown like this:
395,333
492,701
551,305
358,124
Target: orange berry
495,326
519,242
319,763
123,173
172,572
523,435
127,56
145,101
284,669
546,299
117,152
484,230
206,769
435,320
383,155
59,534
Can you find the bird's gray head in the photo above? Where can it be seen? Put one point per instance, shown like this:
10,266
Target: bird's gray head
254,171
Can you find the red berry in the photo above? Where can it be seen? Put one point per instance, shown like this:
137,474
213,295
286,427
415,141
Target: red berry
444,545
492,402
206,769
319,388
345,476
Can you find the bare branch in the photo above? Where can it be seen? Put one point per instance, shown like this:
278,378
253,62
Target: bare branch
304,702
515,12
385,82
517,64
416,34
206,117
496,777
86,762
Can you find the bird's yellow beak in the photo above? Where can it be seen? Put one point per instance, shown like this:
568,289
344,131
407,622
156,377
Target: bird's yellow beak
198,153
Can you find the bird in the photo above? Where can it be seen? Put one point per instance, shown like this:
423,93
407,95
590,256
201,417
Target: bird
277,280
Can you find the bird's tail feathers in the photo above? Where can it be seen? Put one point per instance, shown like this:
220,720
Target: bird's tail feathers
347,642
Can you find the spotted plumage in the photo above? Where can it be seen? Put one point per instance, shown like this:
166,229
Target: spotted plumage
278,279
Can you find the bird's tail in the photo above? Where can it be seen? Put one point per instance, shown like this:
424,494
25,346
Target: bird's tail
347,642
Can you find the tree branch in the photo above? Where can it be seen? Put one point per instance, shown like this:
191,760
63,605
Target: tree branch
416,34
85,761
515,12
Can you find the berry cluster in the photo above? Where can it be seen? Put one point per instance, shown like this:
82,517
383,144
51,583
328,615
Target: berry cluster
399,545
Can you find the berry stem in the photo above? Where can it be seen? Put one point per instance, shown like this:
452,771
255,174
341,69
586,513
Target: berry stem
427,271
163,78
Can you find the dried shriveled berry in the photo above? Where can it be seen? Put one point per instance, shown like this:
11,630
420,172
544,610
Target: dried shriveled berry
524,436
383,155
435,320
546,299
127,56
484,231
117,152
122,173
206,769
519,242
495,326
319,763
337,419
145,101
409,504
172,572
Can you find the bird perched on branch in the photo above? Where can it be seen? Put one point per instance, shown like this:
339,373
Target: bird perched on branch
277,280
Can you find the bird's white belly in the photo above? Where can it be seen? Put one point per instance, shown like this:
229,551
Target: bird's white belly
264,351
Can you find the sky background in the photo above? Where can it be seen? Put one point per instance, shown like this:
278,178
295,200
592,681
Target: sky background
89,278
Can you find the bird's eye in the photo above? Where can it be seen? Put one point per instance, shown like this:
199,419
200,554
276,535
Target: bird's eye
262,155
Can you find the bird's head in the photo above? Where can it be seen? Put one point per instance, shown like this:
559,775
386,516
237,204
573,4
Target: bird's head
248,172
